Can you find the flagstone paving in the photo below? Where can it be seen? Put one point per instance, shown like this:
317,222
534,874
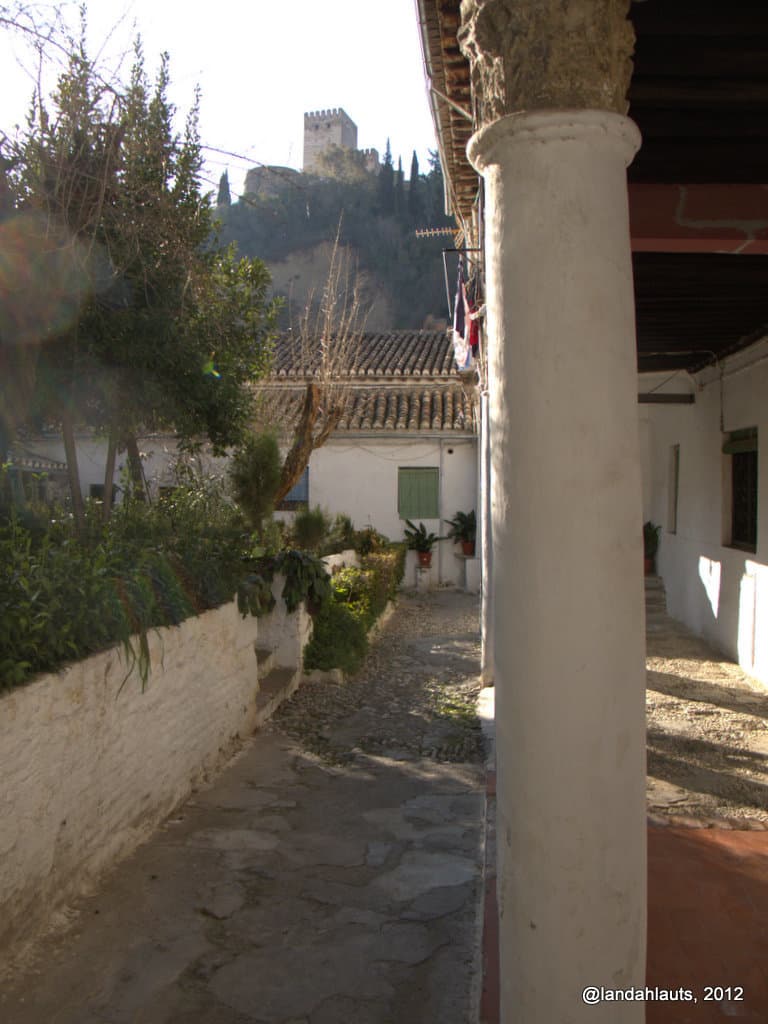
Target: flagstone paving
332,872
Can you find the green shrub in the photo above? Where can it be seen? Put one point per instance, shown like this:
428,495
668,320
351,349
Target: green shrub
310,528
339,640
388,569
339,637
64,596
341,536
254,473
368,540
355,588
306,580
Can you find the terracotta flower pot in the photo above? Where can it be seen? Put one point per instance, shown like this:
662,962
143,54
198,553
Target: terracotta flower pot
648,564
468,547
425,559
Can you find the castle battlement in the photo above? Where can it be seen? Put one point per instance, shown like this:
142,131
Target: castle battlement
325,128
321,115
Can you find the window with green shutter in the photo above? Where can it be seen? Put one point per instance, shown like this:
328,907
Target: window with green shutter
417,492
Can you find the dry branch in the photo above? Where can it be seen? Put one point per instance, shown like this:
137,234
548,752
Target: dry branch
325,345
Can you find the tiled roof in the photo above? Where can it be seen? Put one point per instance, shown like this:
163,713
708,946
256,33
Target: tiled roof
33,463
385,354
394,381
391,407
408,408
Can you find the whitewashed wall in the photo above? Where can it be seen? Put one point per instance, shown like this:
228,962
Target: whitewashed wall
159,450
718,591
91,764
355,475
358,476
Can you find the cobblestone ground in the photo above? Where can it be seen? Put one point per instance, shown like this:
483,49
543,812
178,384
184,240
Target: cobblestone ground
707,733
415,696
330,875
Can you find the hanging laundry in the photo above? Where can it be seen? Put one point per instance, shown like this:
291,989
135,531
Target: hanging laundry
462,352
472,329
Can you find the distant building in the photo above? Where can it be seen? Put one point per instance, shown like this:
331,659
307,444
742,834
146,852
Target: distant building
326,128
269,180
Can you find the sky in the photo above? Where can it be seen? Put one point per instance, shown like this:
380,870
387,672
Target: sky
260,66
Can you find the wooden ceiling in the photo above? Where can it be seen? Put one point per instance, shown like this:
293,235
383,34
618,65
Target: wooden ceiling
699,94
699,91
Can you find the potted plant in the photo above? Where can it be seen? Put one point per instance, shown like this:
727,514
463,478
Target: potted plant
463,531
651,534
419,540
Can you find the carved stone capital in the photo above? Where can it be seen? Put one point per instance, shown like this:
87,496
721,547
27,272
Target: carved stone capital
528,55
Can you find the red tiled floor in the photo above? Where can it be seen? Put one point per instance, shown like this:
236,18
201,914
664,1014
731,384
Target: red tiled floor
707,926
708,922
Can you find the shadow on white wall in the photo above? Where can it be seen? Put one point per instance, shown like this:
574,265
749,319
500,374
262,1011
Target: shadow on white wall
747,615
709,574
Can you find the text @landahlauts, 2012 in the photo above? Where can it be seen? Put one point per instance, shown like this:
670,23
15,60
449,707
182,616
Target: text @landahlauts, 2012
594,994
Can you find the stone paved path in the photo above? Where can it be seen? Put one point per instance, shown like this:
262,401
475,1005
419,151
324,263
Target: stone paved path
330,875
707,733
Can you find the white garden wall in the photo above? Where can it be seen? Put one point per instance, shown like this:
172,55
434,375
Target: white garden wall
358,476
91,763
717,590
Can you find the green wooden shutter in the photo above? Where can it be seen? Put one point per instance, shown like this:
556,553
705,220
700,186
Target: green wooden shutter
740,441
417,492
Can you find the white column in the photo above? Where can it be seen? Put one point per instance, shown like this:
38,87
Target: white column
485,545
569,613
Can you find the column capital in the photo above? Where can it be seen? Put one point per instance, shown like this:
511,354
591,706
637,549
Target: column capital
528,55
601,128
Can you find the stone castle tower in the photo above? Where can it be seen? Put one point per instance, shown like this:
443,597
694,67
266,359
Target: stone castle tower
324,128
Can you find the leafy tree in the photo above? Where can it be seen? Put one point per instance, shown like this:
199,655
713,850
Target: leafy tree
63,171
163,331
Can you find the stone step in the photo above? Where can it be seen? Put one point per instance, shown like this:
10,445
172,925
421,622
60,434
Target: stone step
655,599
653,583
277,685
265,659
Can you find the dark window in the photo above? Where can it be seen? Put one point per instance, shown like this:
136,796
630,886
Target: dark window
298,496
741,446
96,492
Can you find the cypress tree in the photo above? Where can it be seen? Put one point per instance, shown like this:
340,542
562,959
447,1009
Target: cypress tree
387,183
399,189
415,204
224,197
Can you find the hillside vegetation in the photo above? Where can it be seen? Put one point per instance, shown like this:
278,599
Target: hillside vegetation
291,222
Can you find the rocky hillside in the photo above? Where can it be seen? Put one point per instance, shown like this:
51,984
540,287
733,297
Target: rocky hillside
292,221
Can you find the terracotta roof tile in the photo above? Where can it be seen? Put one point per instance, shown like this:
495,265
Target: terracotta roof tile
397,381
385,354
392,408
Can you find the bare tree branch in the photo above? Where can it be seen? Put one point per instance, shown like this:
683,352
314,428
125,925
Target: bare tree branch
325,342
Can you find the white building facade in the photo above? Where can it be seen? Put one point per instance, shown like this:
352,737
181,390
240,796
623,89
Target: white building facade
705,482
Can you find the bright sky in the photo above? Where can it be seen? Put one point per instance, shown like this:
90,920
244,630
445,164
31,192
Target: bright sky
260,66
